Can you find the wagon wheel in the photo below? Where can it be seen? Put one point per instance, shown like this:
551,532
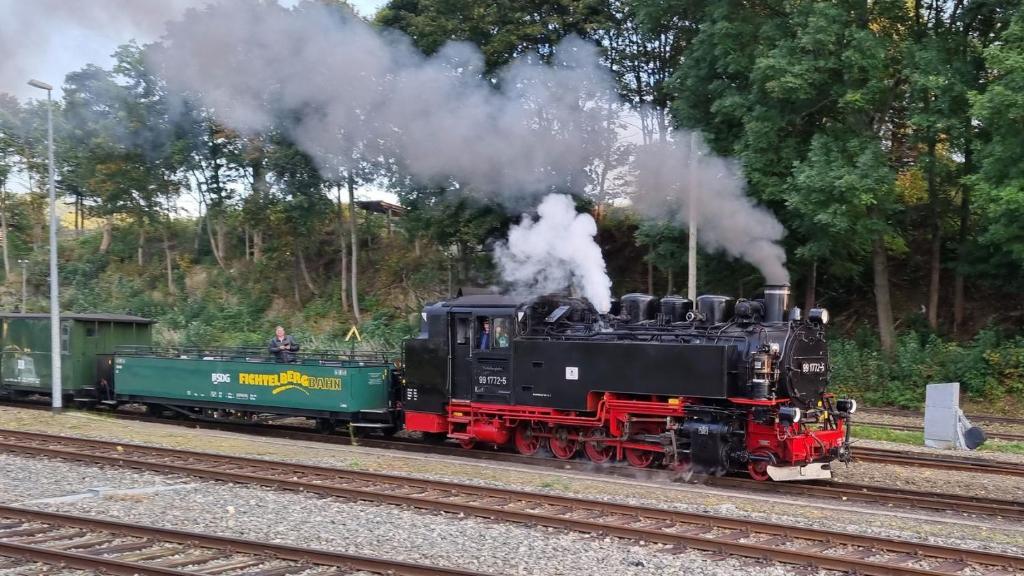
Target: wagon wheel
467,443
758,469
528,438
561,445
638,457
595,446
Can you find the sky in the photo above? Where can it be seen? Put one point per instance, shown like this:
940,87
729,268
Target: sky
46,39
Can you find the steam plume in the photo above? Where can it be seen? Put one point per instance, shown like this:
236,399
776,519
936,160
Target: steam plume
354,93
555,251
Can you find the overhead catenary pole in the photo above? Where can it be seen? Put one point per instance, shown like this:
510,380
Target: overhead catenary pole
55,349
691,259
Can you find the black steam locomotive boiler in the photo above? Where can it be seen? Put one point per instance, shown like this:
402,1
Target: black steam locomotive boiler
718,384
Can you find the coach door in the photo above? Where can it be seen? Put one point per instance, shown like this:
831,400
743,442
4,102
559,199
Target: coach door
461,338
492,347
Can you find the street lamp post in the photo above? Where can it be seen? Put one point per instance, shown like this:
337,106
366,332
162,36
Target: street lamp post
55,349
24,283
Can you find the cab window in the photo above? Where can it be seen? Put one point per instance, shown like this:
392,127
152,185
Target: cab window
484,333
502,332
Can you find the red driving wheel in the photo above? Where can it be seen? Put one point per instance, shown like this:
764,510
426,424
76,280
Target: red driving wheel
561,445
528,439
640,457
595,446
467,443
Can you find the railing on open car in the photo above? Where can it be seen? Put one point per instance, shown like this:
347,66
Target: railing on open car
262,355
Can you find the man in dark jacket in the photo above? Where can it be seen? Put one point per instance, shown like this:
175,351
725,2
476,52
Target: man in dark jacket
283,346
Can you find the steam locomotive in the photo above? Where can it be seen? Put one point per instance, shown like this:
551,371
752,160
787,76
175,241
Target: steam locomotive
714,385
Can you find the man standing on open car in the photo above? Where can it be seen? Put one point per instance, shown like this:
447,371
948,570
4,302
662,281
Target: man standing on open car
283,346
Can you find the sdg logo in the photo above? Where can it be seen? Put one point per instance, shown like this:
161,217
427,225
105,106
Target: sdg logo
220,378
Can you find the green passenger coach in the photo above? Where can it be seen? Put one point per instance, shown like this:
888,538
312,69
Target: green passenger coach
332,389
85,341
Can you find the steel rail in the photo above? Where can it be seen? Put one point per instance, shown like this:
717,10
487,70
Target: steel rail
263,552
920,415
1007,436
708,532
939,461
882,494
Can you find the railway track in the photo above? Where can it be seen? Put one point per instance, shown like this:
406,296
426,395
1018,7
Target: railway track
831,490
1007,436
741,537
920,416
114,547
1008,509
939,461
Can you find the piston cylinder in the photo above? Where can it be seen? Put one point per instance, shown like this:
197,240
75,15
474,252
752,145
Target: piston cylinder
492,431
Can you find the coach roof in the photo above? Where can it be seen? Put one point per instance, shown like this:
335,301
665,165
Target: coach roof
122,318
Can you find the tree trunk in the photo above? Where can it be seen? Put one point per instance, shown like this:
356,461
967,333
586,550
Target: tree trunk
213,243
305,273
4,231
142,243
295,287
257,245
650,271
936,248
247,244
883,300
222,241
959,295
809,292
343,248
108,226
199,232
169,259
355,245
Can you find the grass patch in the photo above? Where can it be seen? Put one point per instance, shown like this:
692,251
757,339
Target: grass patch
1003,447
917,439
887,434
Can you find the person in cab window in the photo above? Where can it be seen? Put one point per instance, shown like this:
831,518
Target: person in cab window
500,334
485,335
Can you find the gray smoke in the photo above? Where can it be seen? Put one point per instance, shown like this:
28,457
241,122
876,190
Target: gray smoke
667,175
45,39
352,93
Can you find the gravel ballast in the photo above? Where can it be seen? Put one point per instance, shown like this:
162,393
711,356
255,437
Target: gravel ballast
983,533
374,530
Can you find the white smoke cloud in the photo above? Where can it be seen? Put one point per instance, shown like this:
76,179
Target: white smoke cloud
354,92
554,251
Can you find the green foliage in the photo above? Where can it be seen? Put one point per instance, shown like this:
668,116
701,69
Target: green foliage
989,367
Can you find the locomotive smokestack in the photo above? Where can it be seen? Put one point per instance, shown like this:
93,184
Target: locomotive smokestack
776,301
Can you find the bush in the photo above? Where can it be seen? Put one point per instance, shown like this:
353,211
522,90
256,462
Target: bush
987,368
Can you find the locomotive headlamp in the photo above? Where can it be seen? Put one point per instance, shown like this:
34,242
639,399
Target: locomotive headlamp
847,405
789,415
818,316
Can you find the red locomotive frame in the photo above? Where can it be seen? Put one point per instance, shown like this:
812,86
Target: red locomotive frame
624,428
